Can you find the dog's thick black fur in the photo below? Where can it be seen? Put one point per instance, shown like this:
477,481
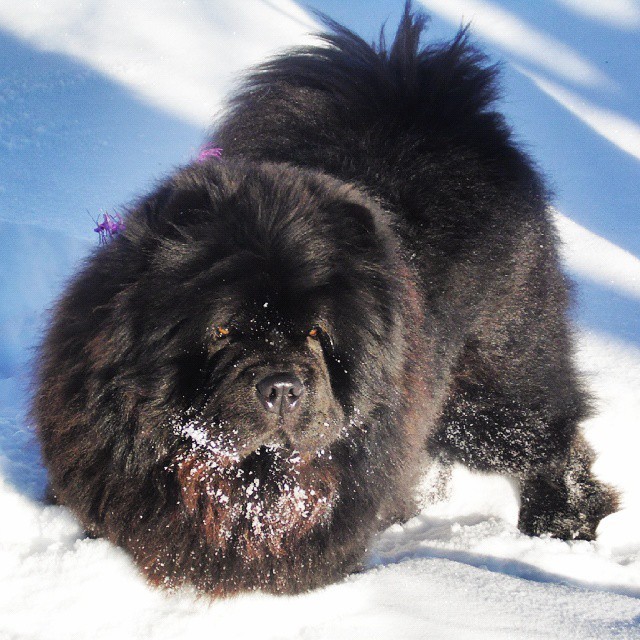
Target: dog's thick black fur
246,384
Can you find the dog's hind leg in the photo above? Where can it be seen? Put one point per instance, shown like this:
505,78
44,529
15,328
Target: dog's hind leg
563,497
502,428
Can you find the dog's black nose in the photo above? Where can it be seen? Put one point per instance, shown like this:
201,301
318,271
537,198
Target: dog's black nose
280,392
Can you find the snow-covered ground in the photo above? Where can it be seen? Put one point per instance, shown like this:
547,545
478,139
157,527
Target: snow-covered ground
99,99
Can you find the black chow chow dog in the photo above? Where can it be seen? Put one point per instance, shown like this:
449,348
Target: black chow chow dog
247,382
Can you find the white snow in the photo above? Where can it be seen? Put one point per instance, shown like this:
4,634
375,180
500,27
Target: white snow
617,129
499,25
175,54
596,258
624,14
99,99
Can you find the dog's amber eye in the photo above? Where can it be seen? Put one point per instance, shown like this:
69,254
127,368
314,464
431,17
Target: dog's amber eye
222,332
315,332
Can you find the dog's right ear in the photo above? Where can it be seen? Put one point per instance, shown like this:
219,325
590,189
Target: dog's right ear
169,213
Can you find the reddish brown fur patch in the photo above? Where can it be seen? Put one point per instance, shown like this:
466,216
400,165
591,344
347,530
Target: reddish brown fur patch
415,382
418,408
256,518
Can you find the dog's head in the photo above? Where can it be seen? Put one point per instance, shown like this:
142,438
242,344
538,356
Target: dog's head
264,291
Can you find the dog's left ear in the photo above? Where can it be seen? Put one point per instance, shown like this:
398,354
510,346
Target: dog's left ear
357,218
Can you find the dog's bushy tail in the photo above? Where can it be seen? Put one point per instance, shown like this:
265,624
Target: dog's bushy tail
343,103
429,84
432,83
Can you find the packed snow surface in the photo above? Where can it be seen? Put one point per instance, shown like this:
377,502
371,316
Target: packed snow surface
98,100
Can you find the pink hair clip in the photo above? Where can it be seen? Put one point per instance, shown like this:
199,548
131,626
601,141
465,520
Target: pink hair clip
109,227
211,152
